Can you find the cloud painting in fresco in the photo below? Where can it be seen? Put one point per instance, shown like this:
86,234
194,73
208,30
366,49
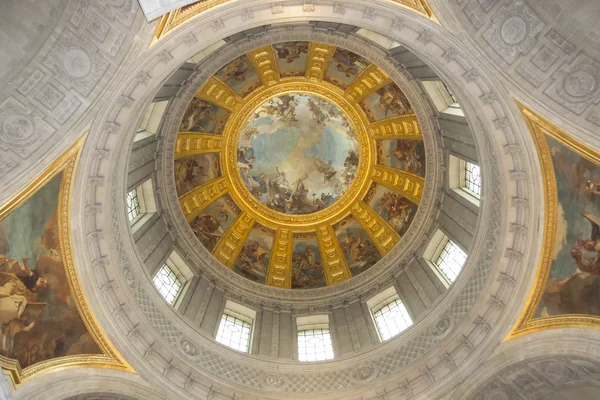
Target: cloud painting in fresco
240,76
360,252
194,171
307,266
386,102
573,285
39,319
297,154
202,116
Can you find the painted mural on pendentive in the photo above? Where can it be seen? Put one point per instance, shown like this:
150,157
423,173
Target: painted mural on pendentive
394,208
291,58
214,220
407,155
573,285
388,101
194,171
307,266
39,319
202,116
344,68
360,252
297,154
240,76
253,261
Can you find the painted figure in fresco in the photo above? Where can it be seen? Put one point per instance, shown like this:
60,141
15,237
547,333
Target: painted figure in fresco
409,152
291,51
326,169
18,304
196,114
237,70
592,187
189,170
392,101
208,229
252,260
347,62
359,251
397,210
586,253
306,269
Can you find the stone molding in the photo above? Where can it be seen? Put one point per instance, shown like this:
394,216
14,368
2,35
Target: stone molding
150,335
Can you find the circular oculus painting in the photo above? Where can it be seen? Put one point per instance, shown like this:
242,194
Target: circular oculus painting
297,153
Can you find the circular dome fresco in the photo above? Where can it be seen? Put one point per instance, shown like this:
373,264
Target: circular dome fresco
299,165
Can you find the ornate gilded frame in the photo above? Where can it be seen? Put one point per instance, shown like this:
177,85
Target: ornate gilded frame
540,129
65,164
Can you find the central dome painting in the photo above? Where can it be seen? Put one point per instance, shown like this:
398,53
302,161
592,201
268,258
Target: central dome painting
297,153
299,165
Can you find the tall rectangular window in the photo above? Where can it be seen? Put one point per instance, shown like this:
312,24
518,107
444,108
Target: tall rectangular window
315,345
234,332
451,260
472,179
167,282
133,205
391,319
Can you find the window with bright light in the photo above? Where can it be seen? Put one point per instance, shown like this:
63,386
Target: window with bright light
151,119
441,97
451,260
234,332
167,282
472,179
315,345
133,205
391,319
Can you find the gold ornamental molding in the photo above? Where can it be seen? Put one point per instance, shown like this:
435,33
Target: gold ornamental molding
379,231
229,246
176,18
527,323
216,92
279,272
369,80
201,197
402,127
265,64
109,357
317,61
334,263
192,143
405,183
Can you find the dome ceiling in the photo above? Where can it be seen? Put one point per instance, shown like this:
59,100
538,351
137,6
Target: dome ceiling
299,165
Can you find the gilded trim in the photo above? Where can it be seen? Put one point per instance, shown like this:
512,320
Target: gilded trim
540,128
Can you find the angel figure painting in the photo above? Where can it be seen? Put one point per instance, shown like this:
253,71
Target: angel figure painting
214,220
360,252
297,154
307,267
39,319
395,209
253,260
573,285
344,67
407,155
389,101
202,116
240,76
194,171
291,58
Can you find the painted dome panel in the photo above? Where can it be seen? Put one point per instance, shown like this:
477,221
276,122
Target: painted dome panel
394,208
194,171
297,154
291,58
344,67
214,220
388,101
358,249
202,116
307,265
406,155
239,75
253,261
